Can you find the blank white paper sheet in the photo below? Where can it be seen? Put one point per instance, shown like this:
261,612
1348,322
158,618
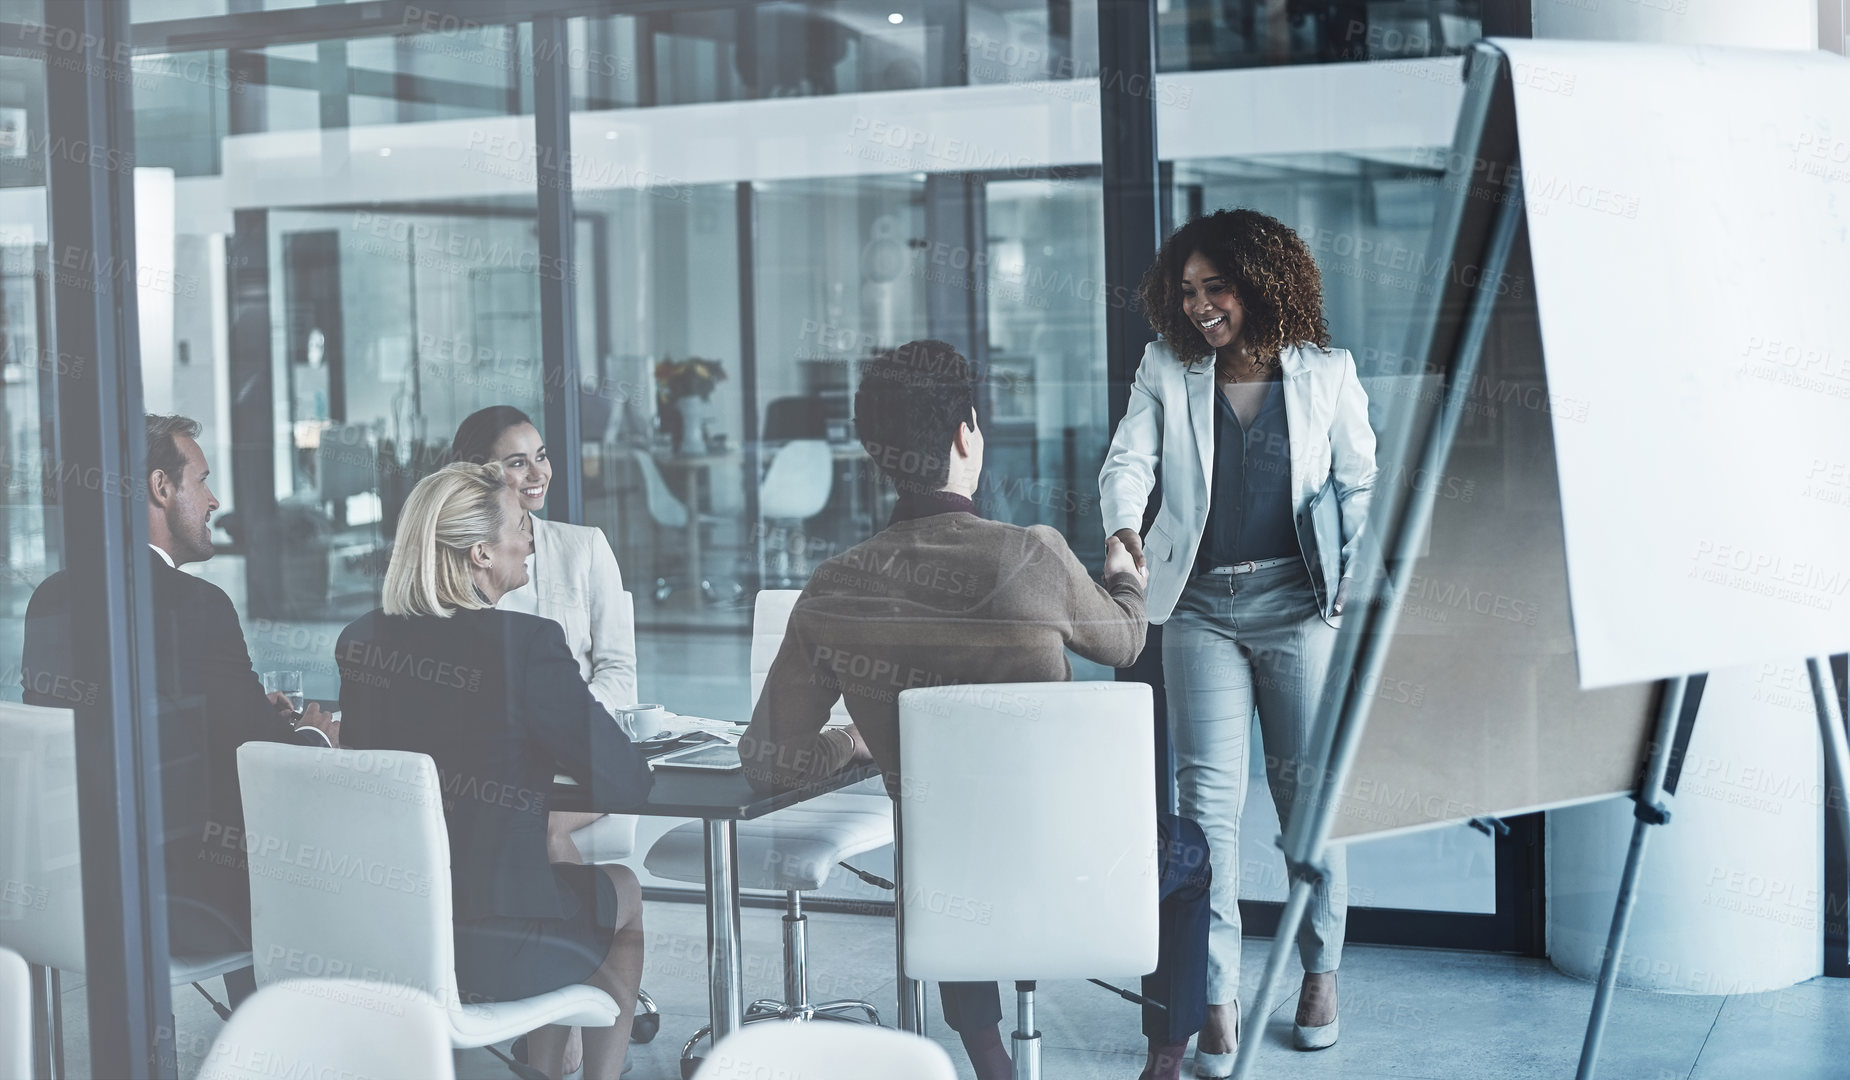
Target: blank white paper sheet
1689,219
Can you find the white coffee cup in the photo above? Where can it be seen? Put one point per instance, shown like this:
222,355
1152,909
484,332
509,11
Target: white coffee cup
643,721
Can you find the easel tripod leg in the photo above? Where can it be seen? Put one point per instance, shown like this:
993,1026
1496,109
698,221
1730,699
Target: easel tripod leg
1836,747
1282,943
1615,947
1647,810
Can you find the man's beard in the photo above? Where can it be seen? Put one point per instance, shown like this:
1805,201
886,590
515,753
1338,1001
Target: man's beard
199,544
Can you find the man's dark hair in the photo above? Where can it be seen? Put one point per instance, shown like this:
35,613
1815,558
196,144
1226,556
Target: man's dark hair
476,435
164,448
907,411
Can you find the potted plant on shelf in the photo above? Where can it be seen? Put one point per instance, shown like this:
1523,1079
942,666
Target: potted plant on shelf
682,388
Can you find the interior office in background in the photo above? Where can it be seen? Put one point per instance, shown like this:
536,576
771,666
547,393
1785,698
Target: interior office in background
356,268
341,222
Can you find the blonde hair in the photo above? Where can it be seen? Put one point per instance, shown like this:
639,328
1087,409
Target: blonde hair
449,512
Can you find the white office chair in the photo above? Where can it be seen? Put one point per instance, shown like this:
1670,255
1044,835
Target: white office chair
333,1028
826,1052
15,1015
792,851
41,859
796,487
664,508
1067,773
612,839
371,825
669,512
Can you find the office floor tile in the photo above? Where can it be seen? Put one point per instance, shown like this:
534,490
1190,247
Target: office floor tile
1407,1014
1799,1033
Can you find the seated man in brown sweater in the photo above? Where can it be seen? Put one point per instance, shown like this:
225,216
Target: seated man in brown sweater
941,597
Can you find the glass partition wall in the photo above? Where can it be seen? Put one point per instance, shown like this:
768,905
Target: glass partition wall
361,215
30,532
384,186
779,260
763,197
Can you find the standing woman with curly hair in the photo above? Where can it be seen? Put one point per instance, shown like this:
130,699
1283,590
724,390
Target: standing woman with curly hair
1251,414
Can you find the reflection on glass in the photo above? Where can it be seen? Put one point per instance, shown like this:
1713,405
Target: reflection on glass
662,413
1197,35
788,49
846,270
31,548
356,336
1046,313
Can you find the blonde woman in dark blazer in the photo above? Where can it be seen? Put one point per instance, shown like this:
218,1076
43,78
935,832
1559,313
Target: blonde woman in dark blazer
1250,414
573,580
522,927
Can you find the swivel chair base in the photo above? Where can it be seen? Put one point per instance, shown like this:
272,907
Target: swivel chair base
726,592
797,1007
648,1019
1027,1037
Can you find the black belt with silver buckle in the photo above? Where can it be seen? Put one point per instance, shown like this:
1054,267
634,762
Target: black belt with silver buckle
1250,567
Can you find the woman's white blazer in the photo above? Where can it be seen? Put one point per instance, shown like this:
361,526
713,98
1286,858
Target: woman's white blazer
1171,421
573,580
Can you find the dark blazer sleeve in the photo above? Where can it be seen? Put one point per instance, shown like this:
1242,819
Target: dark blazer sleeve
235,700
567,720
45,662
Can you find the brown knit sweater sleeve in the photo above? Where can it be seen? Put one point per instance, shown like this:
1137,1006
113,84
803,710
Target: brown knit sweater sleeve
1105,623
788,744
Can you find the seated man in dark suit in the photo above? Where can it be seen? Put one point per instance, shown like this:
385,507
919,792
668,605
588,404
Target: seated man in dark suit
211,701
948,597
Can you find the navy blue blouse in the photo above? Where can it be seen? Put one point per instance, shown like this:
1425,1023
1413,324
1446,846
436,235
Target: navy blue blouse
1249,506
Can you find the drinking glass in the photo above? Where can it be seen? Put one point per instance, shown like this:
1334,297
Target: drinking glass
286,683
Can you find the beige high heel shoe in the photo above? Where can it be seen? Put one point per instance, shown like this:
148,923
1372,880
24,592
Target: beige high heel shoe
1218,1066
1320,1036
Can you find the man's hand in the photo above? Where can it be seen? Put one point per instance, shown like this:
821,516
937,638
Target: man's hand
1132,543
322,722
1120,560
281,702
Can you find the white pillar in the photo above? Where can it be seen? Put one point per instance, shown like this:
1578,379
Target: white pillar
1730,900
1730,897
155,284
1758,24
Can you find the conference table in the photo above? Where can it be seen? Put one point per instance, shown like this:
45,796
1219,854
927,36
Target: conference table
721,800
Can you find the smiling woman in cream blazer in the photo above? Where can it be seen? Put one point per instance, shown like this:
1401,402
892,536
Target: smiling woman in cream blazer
1261,431
576,583
1171,420
573,575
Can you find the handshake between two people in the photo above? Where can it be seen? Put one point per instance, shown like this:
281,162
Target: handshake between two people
1124,555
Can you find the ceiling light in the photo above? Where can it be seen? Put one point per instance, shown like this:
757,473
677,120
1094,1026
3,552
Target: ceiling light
896,18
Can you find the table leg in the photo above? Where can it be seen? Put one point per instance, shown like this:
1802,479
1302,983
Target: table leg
47,1028
725,992
695,573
